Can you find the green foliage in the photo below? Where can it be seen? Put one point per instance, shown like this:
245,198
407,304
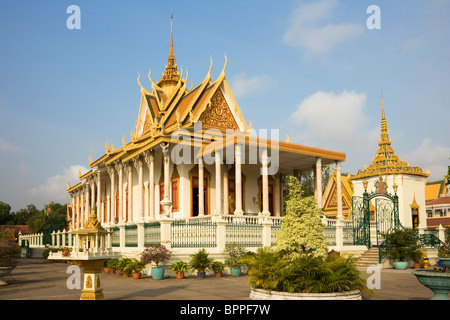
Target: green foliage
401,244
200,261
122,264
47,251
234,253
9,250
301,232
270,270
133,265
217,266
34,218
112,263
179,266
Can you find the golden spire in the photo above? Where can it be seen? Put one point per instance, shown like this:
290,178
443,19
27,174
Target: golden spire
171,74
386,161
384,132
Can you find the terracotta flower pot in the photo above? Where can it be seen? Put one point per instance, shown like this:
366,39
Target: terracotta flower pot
136,275
126,274
218,274
180,275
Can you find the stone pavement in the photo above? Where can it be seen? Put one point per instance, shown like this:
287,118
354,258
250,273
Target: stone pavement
40,279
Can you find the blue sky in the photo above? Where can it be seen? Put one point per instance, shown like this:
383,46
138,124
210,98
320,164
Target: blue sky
311,69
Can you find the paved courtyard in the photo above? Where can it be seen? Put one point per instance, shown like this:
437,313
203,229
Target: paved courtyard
40,279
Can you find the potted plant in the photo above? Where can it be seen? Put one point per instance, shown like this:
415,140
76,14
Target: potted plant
200,261
105,265
400,246
137,267
179,267
235,252
134,267
277,276
417,257
157,254
122,265
217,267
112,265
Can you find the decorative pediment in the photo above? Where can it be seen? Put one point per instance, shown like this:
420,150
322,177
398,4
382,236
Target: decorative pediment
218,114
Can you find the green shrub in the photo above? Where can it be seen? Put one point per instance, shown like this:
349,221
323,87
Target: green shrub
401,244
270,270
200,261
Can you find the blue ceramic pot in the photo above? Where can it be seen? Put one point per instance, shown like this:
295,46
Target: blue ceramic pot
445,262
157,273
235,272
400,265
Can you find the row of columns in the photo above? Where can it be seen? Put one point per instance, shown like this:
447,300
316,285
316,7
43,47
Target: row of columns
87,191
84,200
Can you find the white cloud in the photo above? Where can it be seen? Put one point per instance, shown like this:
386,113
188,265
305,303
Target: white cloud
430,156
55,188
307,31
332,117
7,147
242,85
336,121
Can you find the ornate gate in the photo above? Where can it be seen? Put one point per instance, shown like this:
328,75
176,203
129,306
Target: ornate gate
361,223
386,215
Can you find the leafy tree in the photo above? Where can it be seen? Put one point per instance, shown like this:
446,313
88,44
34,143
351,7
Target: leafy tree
5,214
301,232
22,216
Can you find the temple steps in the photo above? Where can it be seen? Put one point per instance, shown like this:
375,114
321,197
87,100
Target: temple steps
368,258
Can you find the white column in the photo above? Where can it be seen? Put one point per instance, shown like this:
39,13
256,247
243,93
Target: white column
201,188
112,205
166,203
140,168
318,190
100,212
339,190
119,168
218,160
225,190
238,181
152,185
92,196
130,192
265,183
78,210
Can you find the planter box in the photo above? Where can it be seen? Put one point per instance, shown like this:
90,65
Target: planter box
261,294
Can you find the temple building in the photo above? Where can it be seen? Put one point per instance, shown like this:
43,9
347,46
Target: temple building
437,197
191,153
386,174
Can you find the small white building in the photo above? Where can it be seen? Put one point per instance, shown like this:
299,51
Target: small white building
387,168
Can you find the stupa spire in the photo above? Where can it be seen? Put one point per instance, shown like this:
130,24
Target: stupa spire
171,73
384,130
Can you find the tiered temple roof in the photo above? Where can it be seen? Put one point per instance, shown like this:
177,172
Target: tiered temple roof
386,161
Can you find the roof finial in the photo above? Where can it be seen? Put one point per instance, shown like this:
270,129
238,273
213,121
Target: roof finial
171,72
171,32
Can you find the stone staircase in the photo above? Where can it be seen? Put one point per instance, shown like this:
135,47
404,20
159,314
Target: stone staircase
368,258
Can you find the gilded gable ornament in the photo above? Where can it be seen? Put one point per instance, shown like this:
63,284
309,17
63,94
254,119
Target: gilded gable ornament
218,114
